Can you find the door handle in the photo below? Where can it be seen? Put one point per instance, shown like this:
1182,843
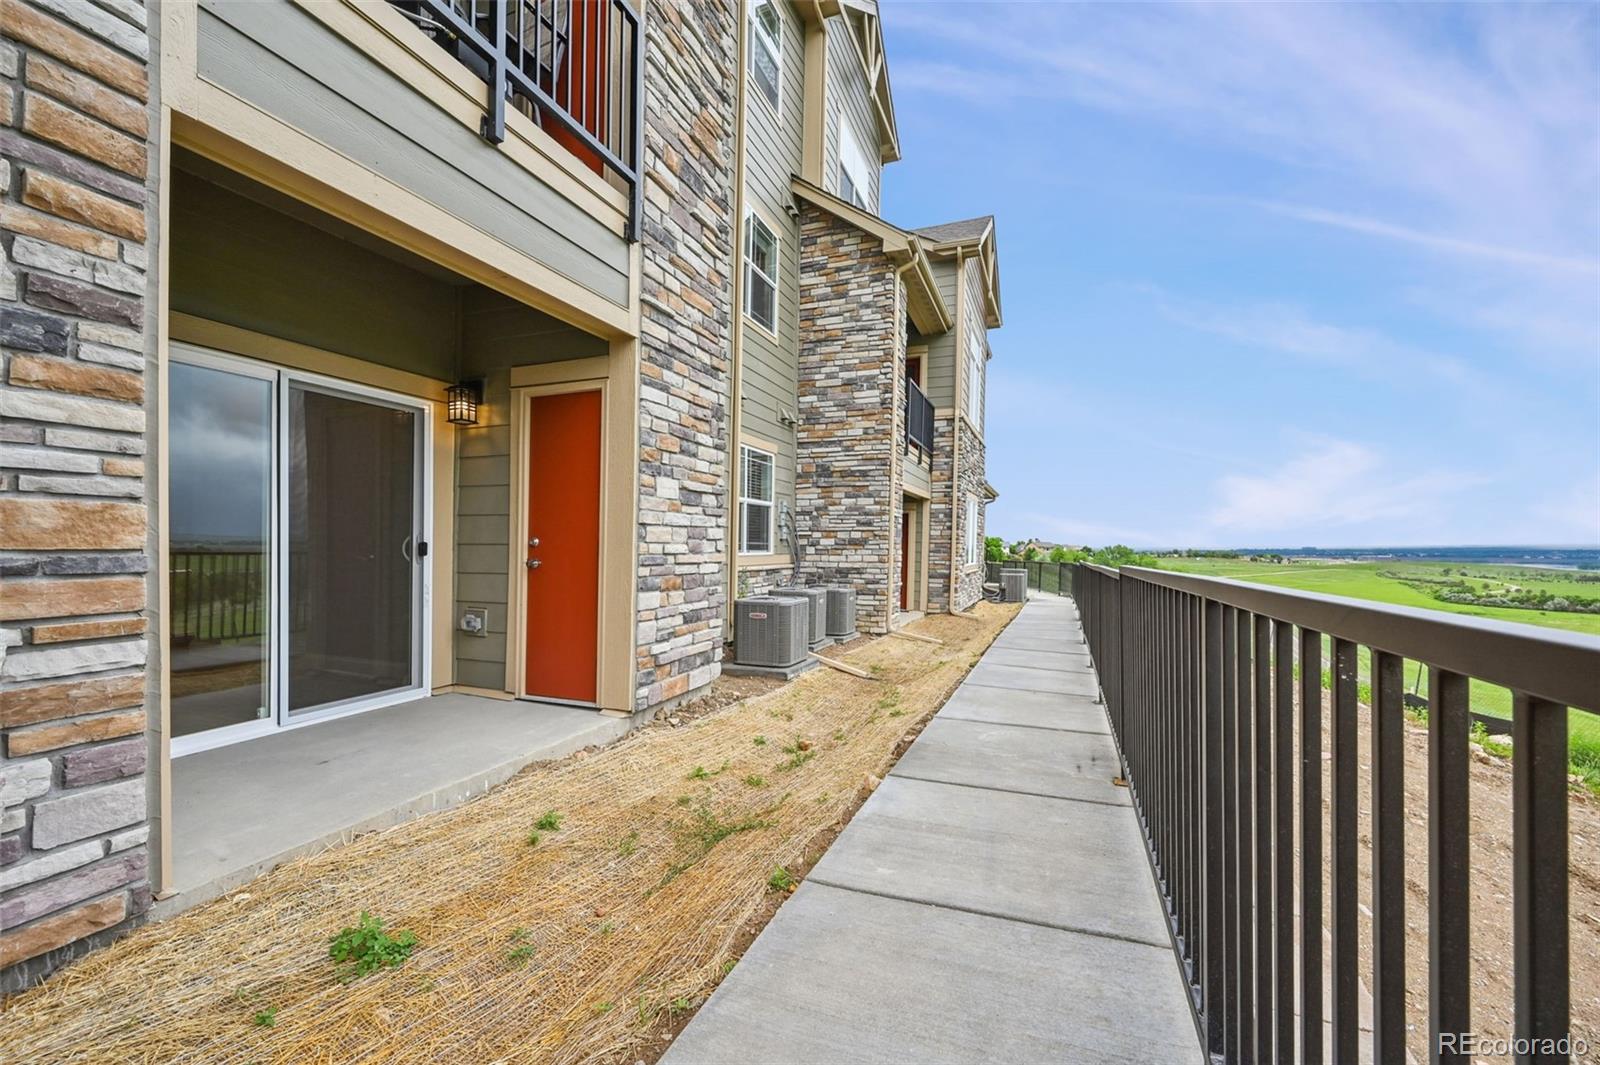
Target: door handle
533,542
534,563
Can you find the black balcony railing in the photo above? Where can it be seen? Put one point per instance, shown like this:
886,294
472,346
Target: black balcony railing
576,67
1214,690
919,418
1053,577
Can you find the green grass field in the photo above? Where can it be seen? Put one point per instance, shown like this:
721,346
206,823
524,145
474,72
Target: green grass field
1409,584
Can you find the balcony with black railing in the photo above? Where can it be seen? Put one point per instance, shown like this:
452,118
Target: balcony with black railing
575,67
919,418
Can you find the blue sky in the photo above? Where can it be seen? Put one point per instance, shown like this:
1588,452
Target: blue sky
1274,274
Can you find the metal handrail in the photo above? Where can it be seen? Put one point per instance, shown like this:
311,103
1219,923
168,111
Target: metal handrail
1561,666
604,106
1214,692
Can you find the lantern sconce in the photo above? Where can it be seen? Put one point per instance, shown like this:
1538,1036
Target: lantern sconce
462,401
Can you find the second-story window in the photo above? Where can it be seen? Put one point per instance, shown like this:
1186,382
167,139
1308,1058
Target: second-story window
855,174
755,501
766,50
975,380
760,272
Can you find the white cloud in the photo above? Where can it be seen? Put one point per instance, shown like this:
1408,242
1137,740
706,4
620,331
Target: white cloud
1331,484
1452,245
1466,135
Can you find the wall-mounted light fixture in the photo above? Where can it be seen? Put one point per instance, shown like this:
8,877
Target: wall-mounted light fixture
462,401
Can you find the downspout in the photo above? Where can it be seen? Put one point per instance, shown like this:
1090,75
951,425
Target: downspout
897,448
958,505
736,373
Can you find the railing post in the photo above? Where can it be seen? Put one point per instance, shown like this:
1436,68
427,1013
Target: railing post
494,120
1539,877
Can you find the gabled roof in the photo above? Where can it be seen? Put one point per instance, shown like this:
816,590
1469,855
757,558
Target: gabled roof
971,238
924,304
970,229
866,37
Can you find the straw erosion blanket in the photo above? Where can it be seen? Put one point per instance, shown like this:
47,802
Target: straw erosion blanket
572,914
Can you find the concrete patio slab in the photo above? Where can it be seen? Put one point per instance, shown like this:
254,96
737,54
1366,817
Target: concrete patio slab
1026,678
240,810
840,976
1005,706
1067,765
992,853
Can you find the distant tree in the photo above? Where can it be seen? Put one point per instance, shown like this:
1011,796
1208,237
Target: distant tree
1118,555
1062,554
994,549
1016,548
1030,553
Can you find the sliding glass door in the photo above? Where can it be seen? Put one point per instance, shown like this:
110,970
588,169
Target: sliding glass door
220,548
296,577
352,506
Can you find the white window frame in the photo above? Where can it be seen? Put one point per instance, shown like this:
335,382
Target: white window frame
773,46
977,355
853,163
746,451
753,218
973,552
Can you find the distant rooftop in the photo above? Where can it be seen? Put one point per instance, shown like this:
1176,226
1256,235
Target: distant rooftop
951,232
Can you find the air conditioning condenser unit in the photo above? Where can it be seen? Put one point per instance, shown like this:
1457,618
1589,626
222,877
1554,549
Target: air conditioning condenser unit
817,599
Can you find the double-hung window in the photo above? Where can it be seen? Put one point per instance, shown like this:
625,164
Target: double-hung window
760,272
855,174
766,50
975,361
755,501
972,539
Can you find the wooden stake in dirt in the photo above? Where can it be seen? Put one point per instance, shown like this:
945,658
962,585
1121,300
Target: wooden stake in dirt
842,667
904,635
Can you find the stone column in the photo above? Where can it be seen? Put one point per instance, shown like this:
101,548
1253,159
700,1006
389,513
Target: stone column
686,293
74,526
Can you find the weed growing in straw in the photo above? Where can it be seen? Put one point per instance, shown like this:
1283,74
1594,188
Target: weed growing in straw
755,781
760,741
629,844
550,822
267,1018
366,947
517,957
781,879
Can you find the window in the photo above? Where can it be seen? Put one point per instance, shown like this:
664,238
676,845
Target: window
755,502
973,540
855,174
766,49
975,361
760,272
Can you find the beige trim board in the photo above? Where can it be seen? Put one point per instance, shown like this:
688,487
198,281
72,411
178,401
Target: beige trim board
468,689
296,356
765,562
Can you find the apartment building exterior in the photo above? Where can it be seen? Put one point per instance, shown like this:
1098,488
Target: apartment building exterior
360,352
861,348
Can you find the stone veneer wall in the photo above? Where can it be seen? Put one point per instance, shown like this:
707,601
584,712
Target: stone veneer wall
969,480
941,514
74,535
852,363
686,249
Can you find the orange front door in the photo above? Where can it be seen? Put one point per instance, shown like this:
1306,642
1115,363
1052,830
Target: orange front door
563,548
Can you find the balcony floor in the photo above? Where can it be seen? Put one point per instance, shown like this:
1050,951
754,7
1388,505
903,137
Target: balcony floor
238,811
990,902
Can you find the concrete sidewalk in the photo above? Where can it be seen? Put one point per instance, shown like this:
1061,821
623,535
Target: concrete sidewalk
991,901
